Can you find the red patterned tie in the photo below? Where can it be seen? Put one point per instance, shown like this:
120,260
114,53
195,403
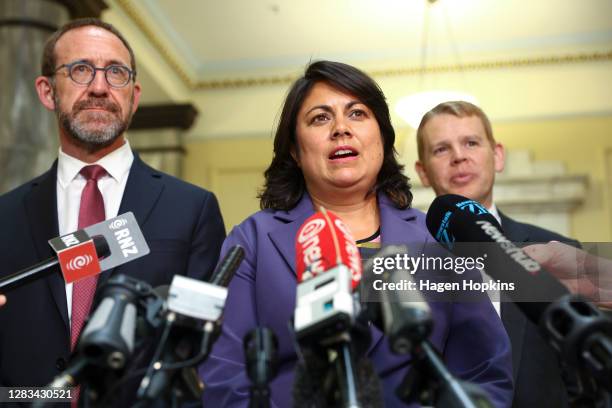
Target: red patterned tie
90,212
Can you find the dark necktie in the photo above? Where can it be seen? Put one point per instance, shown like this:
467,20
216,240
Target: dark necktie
91,212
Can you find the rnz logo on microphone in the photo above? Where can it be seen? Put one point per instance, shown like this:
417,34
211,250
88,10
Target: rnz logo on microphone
118,223
123,237
79,262
77,255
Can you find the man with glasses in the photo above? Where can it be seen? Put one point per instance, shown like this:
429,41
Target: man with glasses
89,80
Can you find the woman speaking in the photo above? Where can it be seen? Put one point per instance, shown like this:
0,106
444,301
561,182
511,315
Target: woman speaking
334,148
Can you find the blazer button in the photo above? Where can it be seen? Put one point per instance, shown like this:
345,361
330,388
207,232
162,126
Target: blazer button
60,364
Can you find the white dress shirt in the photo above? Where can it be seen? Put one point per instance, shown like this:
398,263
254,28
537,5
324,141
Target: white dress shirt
70,184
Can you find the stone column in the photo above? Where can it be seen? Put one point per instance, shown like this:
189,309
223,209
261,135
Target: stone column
28,133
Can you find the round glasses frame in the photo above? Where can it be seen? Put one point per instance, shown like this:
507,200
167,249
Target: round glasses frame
94,70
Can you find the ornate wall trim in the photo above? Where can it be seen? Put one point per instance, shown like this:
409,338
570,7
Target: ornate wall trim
248,82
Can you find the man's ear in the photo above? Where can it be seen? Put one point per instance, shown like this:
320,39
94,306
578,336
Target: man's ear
499,157
137,91
420,169
46,92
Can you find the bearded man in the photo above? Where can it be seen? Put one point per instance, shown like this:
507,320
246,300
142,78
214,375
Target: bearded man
89,80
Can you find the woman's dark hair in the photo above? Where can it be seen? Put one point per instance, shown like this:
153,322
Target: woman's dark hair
284,184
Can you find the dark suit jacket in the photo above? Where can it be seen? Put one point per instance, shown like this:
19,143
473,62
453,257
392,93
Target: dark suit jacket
536,371
181,223
469,335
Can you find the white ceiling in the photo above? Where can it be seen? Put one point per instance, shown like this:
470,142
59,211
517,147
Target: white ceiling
215,39
234,59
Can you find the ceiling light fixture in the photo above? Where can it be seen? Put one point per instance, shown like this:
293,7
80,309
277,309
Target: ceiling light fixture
411,108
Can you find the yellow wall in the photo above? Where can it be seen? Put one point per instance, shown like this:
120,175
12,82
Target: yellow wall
584,145
233,168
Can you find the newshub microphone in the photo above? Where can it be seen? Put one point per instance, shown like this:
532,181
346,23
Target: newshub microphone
328,267
575,328
456,221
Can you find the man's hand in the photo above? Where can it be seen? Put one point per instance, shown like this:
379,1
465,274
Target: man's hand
581,272
2,300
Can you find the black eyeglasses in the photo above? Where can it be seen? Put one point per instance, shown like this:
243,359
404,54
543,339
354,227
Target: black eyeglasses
83,73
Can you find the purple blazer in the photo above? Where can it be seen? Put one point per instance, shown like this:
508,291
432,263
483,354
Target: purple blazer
470,336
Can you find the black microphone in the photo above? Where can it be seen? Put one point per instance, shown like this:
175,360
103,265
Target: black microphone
108,338
225,270
466,228
260,349
405,315
407,322
192,324
43,268
576,329
106,345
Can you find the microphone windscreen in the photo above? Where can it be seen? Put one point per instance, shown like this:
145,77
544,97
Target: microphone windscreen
228,266
450,218
311,381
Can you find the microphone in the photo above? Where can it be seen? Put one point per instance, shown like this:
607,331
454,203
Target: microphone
466,228
77,257
407,322
328,267
108,338
576,329
192,324
326,324
406,317
260,349
107,342
115,241
224,272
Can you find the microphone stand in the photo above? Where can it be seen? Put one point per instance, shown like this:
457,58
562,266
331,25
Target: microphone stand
345,373
430,383
260,349
171,374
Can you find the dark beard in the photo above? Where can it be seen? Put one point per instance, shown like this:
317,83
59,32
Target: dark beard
96,139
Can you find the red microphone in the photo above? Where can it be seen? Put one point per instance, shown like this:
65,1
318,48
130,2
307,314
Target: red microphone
325,321
322,243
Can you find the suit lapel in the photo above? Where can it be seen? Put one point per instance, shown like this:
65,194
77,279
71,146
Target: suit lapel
513,230
41,208
283,237
142,191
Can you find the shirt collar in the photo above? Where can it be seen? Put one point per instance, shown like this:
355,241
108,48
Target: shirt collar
495,213
117,164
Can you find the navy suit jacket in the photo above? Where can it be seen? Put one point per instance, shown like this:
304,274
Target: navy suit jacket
469,335
536,370
181,223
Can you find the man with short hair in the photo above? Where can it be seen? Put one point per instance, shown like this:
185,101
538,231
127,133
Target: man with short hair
89,80
458,155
